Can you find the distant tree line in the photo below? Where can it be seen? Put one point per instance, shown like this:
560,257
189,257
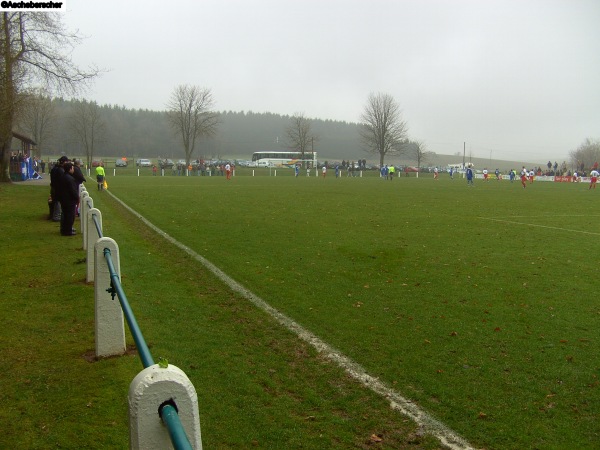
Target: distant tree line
143,133
57,125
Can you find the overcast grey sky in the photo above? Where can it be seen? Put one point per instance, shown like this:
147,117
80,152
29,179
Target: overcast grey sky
514,79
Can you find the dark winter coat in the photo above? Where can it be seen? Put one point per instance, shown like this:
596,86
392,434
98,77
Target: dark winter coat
70,190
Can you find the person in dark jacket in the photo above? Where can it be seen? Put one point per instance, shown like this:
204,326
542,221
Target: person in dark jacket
56,185
78,174
69,198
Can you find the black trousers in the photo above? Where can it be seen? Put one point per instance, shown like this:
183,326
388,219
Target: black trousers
67,218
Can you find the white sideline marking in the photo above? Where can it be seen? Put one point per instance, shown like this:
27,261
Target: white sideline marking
431,425
540,226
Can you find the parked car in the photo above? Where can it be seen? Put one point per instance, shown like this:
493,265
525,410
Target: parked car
121,162
144,163
165,163
97,162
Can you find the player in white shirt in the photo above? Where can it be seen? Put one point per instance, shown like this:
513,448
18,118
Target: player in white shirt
593,178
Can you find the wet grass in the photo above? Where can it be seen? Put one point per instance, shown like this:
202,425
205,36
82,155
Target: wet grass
258,385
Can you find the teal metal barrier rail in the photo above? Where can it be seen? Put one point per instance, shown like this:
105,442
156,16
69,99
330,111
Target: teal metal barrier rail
116,288
167,410
98,228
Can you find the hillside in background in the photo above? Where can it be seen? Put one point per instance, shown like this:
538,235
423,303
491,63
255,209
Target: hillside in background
143,133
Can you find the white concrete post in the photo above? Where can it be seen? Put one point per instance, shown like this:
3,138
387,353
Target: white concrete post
83,194
91,238
87,203
110,326
151,388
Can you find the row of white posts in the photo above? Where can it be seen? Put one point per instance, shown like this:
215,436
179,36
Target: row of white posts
208,172
162,172
152,387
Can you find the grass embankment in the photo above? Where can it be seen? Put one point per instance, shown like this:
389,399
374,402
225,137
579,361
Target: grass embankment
258,386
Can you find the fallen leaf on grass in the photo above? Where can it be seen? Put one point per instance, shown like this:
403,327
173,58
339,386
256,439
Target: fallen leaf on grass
375,438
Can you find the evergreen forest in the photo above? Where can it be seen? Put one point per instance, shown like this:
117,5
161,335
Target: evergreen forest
146,134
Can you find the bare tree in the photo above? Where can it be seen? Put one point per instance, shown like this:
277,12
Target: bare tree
88,126
190,115
383,130
417,151
586,155
299,136
34,47
37,118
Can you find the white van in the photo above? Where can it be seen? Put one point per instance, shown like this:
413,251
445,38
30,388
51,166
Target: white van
144,163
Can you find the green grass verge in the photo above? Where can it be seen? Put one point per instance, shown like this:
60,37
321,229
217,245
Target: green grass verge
258,385
477,303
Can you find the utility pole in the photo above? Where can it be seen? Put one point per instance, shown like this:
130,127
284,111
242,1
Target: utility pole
464,151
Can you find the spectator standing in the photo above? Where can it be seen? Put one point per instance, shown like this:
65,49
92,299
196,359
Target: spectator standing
79,178
77,173
56,187
69,199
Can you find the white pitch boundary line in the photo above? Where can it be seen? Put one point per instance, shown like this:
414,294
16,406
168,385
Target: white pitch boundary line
405,406
540,226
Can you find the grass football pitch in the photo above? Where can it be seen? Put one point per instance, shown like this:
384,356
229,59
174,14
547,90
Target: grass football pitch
478,303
